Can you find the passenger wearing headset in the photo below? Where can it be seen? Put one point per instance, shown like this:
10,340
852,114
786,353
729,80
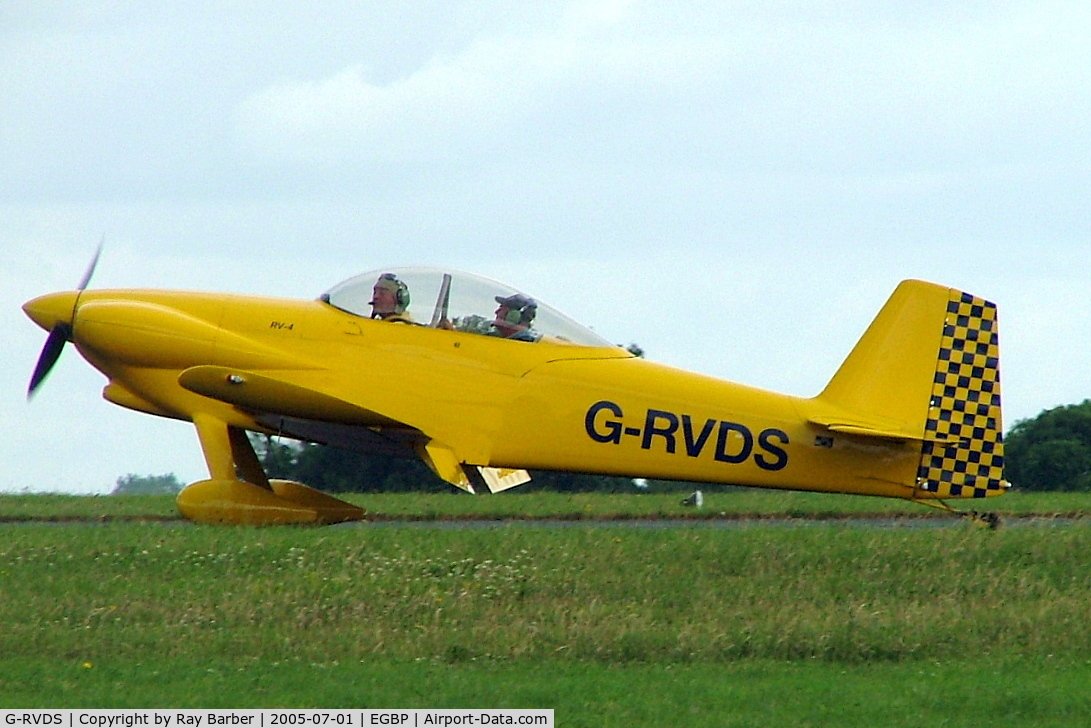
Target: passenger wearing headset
513,318
389,299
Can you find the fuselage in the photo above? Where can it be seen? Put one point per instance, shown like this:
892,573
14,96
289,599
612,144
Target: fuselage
493,402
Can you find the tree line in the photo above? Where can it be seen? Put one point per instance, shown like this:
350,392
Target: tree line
335,470
339,471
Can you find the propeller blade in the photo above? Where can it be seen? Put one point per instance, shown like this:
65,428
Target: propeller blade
60,334
91,268
54,345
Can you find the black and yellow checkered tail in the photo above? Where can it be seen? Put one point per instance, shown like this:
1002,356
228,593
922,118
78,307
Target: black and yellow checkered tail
922,386
962,455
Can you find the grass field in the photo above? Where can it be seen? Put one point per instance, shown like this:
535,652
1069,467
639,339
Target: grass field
609,624
719,502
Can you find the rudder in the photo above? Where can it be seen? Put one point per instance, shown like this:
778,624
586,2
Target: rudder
963,451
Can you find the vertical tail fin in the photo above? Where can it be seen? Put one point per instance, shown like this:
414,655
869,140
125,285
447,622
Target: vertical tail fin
927,370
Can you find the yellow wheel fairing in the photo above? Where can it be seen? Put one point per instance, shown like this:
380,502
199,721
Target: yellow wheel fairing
328,508
238,503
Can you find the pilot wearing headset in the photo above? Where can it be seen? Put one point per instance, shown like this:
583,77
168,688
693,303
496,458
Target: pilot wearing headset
513,318
389,299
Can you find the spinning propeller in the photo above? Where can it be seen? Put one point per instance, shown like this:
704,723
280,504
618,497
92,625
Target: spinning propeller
49,312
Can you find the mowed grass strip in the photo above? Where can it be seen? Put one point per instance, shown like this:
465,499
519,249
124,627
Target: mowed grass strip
609,595
993,693
720,502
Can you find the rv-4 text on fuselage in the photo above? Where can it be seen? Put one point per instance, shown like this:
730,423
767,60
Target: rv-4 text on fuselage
486,383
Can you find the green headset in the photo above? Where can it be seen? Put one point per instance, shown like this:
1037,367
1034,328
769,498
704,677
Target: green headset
521,309
392,283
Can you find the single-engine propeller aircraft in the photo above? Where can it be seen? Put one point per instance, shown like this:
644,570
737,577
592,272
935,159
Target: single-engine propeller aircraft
483,382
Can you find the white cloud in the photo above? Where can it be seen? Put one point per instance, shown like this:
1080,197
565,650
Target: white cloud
438,109
832,89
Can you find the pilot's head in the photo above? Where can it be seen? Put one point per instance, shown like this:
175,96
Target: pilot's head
515,312
389,297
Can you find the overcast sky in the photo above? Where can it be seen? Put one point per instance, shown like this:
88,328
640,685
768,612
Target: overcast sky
735,186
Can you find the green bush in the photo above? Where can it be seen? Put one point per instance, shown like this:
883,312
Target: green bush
132,484
1051,451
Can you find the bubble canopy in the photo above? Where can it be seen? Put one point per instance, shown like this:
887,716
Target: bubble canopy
466,301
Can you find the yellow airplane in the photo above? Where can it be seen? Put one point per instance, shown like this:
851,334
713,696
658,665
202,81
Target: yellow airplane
483,382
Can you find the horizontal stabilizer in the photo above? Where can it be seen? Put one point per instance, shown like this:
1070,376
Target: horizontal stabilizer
865,429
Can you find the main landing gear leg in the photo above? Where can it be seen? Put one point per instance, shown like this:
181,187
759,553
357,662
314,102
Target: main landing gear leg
240,493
